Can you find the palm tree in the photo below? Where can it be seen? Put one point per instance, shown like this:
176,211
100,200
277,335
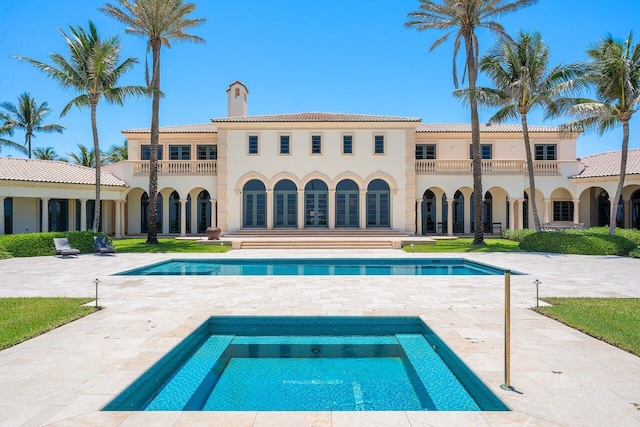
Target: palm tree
92,71
462,17
29,117
85,157
614,73
117,153
5,129
519,71
161,22
45,153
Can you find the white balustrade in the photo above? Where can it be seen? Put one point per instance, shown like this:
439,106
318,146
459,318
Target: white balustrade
178,167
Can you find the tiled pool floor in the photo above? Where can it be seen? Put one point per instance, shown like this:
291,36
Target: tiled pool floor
566,378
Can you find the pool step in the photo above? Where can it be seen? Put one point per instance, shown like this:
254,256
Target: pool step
314,243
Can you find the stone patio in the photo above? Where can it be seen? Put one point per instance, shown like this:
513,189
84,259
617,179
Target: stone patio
66,376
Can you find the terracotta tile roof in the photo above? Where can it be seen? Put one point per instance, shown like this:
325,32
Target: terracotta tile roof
466,128
314,117
199,128
17,169
608,164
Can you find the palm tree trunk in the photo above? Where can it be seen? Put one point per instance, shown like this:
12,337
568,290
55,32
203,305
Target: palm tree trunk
530,171
152,233
478,197
96,151
623,172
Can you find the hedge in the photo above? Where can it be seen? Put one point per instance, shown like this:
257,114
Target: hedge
41,244
632,234
583,243
517,235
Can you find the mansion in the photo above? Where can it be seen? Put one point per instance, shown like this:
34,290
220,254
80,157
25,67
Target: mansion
323,171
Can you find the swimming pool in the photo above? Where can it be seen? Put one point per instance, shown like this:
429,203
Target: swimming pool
316,267
309,364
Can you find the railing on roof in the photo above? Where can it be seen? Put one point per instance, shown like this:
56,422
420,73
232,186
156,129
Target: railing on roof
489,167
178,167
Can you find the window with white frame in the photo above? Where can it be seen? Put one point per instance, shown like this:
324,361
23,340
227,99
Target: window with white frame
253,145
378,144
347,144
285,144
207,152
486,151
179,152
316,144
545,152
145,152
425,151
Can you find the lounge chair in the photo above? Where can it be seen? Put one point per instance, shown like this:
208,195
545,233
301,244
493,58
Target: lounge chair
101,246
61,247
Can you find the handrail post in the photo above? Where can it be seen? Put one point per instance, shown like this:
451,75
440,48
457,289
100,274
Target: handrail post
507,332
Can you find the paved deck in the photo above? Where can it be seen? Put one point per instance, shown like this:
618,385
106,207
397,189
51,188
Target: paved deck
566,378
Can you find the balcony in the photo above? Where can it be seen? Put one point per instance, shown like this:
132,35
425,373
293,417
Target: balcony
178,167
489,167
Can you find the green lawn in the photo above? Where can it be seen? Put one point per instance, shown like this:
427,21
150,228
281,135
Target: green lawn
25,318
464,245
167,245
613,320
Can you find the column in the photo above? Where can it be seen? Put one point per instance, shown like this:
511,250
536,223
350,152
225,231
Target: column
300,209
576,211
331,206
45,214
2,231
123,218
363,209
118,220
627,214
450,217
269,209
547,211
83,214
183,217
418,217
512,216
214,216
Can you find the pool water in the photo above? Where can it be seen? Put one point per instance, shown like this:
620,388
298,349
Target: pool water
316,267
309,364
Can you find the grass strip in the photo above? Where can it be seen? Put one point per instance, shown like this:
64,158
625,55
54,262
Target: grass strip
138,245
464,245
612,320
24,318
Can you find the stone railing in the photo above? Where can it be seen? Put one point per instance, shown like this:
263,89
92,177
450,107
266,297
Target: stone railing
489,167
178,167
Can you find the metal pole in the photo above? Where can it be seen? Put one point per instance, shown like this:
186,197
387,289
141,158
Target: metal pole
507,331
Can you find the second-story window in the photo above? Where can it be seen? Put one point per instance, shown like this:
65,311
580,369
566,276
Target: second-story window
207,152
378,144
347,144
253,144
285,144
316,144
486,151
145,152
179,152
545,152
425,151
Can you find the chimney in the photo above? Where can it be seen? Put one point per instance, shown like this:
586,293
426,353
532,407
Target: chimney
237,99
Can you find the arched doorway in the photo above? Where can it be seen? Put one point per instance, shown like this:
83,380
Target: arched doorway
144,213
487,212
285,199
445,215
347,204
458,212
316,196
203,212
174,213
635,210
525,211
604,210
428,212
378,204
254,204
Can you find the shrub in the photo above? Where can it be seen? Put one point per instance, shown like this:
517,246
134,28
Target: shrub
41,244
517,235
581,243
629,233
4,254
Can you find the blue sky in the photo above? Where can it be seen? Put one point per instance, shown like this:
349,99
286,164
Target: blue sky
349,56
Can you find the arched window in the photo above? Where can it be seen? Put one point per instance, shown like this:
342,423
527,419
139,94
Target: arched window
254,196
378,204
285,201
635,210
203,213
428,212
458,212
174,212
487,212
144,213
347,204
445,215
316,195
